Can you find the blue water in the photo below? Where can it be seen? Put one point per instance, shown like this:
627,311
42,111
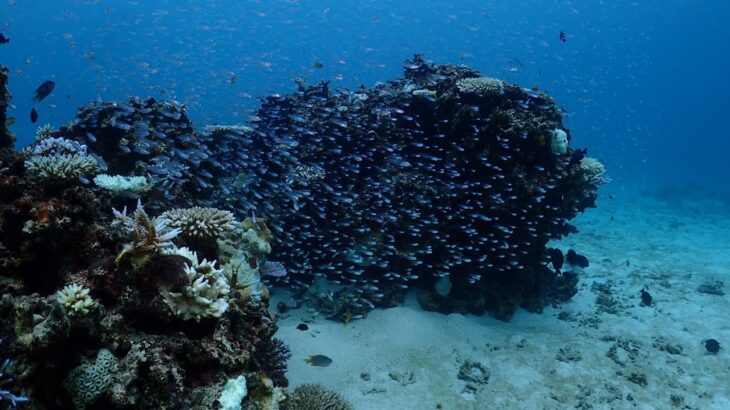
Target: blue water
645,83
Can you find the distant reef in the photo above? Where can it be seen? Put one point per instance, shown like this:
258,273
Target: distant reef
136,252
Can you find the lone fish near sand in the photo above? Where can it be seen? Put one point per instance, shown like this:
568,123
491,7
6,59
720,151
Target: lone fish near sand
318,360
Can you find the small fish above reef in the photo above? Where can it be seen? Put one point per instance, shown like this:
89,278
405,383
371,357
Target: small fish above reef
645,297
3,39
9,121
563,36
318,360
33,115
43,91
317,64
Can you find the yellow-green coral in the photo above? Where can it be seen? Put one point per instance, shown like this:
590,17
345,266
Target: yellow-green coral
75,299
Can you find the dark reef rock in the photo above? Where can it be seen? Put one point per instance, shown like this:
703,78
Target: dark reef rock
441,173
6,139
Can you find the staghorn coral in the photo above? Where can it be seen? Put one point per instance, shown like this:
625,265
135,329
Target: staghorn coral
315,396
75,300
147,237
204,293
480,86
198,222
61,168
120,183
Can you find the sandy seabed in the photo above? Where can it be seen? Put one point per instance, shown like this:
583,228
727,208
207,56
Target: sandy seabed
601,350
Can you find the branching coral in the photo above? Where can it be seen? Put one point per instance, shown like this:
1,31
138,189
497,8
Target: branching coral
147,237
59,168
480,85
44,132
75,300
198,222
204,294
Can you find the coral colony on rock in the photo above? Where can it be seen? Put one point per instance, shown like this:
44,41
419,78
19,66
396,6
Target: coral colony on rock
135,250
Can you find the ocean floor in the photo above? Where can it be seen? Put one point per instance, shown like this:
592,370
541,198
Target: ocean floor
602,350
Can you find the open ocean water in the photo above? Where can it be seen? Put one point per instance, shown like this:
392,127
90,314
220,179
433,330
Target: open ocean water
404,261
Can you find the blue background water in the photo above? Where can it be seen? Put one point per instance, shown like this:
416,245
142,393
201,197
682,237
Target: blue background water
645,82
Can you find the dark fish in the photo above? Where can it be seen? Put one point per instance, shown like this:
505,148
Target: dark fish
317,64
575,259
577,156
556,257
645,297
563,36
33,115
3,39
43,91
712,345
302,327
318,360
9,121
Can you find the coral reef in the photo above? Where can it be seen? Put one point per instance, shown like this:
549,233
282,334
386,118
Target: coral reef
108,309
51,169
379,189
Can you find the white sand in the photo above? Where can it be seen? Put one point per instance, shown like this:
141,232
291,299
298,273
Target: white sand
405,358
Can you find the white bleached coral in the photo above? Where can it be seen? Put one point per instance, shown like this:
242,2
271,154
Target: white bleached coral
75,299
480,85
120,183
199,222
204,294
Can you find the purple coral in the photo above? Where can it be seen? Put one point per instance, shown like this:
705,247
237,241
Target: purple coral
5,395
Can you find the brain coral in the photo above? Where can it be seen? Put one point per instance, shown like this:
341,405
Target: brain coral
89,381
